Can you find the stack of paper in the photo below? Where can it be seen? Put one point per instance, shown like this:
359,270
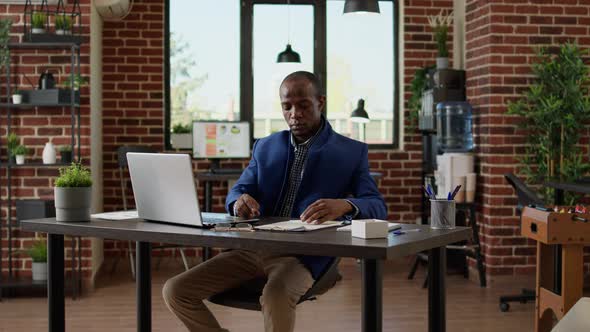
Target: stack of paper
297,226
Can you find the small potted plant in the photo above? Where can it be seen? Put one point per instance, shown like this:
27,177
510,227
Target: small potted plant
19,153
181,138
66,154
63,25
73,193
17,97
38,253
11,143
440,25
38,22
78,81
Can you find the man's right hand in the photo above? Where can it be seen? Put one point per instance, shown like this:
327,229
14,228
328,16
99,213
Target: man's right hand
247,207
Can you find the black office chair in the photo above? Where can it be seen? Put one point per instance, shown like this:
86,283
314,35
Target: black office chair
526,196
247,295
122,161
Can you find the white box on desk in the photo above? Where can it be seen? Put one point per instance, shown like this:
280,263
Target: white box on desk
369,228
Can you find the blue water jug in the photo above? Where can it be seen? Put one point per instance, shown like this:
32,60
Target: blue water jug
453,126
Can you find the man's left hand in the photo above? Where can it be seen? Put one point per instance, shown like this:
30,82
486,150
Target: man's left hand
325,209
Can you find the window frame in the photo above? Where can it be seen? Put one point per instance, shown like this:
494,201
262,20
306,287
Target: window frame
246,56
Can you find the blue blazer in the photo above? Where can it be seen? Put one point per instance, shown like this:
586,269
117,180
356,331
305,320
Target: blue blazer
336,167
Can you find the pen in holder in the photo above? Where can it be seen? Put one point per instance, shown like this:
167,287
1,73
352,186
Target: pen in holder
442,214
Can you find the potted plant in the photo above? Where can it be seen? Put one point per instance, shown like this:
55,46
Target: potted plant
73,193
555,110
440,26
66,154
5,25
181,138
12,141
63,25
38,253
38,22
17,97
78,81
19,153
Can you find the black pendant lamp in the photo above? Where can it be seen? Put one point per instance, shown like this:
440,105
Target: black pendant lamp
361,6
359,115
288,55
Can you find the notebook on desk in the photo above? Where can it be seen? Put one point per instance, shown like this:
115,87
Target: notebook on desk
297,226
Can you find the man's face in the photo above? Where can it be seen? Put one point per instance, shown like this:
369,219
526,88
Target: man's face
302,108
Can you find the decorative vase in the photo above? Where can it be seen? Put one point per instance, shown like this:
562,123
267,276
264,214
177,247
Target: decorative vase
20,159
39,271
49,153
66,157
38,30
17,99
72,203
442,63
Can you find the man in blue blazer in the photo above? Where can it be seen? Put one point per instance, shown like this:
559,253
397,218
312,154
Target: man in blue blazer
308,172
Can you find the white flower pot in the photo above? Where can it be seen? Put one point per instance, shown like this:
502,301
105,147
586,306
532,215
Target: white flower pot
442,63
182,141
49,153
39,271
17,99
62,32
37,30
20,159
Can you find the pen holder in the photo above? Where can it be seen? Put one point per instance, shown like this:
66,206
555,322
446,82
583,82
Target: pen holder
442,214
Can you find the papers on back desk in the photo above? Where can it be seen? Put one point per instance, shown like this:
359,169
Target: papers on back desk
117,215
297,226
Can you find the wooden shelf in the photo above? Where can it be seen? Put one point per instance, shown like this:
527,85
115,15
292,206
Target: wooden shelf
28,105
29,45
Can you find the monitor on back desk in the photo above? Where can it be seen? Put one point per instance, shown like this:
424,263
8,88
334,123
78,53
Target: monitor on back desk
217,140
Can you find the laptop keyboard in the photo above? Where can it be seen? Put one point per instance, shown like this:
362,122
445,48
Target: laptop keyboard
216,218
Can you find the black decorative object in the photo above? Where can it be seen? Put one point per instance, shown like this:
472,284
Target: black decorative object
66,156
45,24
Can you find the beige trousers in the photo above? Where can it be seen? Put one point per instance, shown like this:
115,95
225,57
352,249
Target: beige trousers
288,280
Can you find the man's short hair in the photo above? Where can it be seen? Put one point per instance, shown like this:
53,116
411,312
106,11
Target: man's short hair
305,75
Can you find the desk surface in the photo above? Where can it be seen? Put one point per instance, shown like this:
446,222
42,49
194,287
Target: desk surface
326,242
577,187
211,176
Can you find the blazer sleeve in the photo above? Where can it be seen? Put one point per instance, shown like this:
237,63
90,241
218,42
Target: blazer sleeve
246,184
365,194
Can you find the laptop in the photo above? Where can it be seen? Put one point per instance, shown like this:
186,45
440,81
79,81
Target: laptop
164,190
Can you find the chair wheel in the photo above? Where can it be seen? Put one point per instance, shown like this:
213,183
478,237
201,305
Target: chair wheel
504,307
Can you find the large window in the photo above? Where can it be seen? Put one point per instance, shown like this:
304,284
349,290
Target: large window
221,63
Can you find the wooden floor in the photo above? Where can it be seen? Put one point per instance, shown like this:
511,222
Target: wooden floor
112,306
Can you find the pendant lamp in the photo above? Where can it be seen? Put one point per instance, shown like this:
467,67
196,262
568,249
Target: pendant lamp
288,55
361,6
359,115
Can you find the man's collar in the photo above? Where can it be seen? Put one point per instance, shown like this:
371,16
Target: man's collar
309,140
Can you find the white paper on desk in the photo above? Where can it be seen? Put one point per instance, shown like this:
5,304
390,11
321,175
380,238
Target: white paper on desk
297,226
392,226
117,215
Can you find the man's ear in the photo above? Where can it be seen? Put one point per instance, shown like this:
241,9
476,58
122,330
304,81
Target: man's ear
322,104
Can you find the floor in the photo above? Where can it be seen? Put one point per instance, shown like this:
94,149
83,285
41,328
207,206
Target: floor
111,307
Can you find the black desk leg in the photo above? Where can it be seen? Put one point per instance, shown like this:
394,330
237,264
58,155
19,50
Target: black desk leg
437,262
55,282
372,295
144,286
208,208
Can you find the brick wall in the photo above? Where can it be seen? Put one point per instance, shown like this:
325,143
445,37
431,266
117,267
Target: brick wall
36,127
501,37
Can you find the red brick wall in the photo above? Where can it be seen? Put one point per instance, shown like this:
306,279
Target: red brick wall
35,127
501,37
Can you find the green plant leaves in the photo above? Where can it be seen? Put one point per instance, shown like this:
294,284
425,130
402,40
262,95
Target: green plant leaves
74,175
